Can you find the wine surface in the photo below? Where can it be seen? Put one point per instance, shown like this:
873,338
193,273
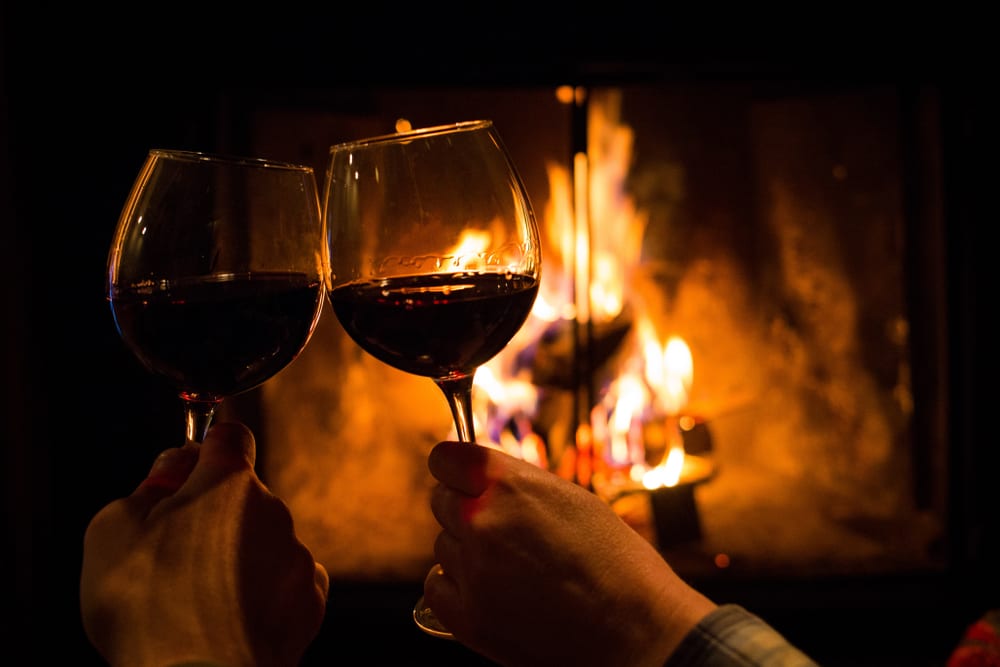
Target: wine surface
435,325
221,336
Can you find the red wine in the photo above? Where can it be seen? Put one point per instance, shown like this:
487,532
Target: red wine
221,336
435,325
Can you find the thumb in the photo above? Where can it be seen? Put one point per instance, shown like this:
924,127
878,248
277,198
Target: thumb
229,447
168,474
229,444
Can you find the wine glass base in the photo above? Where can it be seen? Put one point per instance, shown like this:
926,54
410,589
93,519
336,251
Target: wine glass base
425,619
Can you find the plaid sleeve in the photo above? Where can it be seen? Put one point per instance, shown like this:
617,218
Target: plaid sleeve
733,637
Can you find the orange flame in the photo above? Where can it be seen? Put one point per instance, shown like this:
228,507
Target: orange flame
593,241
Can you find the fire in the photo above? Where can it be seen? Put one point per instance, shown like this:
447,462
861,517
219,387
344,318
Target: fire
626,418
472,242
593,240
657,395
670,371
667,473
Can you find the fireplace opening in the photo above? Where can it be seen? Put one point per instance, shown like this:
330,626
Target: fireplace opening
740,342
766,235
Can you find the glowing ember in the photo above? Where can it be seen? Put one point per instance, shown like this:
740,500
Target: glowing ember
668,473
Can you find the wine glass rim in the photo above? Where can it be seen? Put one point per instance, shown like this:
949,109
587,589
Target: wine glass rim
203,156
449,128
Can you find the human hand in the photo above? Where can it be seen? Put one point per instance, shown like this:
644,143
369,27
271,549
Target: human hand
201,564
536,570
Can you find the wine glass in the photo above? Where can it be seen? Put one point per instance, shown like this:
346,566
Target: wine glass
434,255
216,275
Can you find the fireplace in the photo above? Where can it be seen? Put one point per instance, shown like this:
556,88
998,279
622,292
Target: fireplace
789,235
768,233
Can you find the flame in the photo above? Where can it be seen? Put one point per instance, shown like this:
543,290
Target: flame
511,395
669,370
472,242
593,234
632,398
667,473
617,227
593,231
580,224
564,247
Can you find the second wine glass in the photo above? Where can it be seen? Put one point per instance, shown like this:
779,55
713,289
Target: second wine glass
434,255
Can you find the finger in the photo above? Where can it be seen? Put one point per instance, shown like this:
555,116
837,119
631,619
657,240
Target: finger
229,444
446,508
229,447
447,553
322,581
462,466
441,594
169,472
171,468
456,511
438,586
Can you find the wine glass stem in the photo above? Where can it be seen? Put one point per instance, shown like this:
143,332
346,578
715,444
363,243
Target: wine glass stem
198,417
458,391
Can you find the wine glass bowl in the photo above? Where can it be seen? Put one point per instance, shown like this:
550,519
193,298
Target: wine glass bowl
216,274
434,255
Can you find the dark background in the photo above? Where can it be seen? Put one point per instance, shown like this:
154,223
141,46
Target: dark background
83,96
